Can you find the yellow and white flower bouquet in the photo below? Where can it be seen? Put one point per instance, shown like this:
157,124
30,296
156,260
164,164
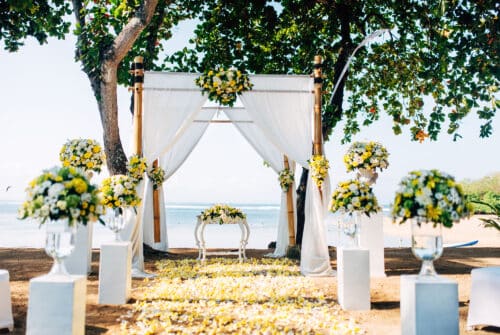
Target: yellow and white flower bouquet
222,214
82,153
430,196
157,176
319,168
136,167
286,179
366,155
62,193
354,196
222,85
118,191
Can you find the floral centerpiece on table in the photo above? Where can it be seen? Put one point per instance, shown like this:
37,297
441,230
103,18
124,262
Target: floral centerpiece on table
222,85
136,167
286,179
319,168
366,155
157,176
222,214
62,193
82,153
354,196
430,196
118,191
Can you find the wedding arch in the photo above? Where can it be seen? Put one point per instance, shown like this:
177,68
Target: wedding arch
280,117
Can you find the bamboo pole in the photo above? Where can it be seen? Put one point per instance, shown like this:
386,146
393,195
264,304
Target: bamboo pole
289,205
156,210
138,73
318,87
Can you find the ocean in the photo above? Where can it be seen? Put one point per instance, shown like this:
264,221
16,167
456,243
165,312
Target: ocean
181,220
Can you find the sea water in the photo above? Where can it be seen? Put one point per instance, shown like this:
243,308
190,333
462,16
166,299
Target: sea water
181,221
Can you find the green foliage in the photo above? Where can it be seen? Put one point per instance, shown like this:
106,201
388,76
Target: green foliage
447,51
494,208
40,19
481,191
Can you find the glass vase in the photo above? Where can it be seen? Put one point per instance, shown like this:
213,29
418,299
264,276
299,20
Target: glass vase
426,245
368,176
351,230
59,243
116,222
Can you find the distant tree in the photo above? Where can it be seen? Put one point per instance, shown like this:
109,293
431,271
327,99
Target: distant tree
484,193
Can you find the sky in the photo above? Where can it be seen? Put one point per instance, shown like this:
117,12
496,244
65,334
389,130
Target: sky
47,99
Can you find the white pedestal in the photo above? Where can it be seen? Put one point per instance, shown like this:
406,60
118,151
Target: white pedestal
57,305
371,237
79,262
353,275
6,320
484,307
115,279
429,306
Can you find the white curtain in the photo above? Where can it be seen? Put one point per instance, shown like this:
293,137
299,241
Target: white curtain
170,163
270,153
282,107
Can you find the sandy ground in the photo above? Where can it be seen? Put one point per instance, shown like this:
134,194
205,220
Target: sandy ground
383,318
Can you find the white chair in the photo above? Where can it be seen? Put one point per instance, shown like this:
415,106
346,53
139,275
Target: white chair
484,306
6,320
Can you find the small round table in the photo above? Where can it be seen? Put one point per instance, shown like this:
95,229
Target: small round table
199,235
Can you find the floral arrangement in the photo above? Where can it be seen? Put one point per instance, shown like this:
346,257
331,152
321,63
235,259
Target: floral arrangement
81,153
366,155
136,167
222,214
354,196
119,191
62,193
430,195
286,179
223,85
157,176
319,168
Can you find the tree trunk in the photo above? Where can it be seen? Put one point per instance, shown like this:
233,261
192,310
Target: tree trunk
301,202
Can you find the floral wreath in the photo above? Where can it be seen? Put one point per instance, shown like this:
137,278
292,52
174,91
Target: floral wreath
430,195
222,214
157,176
85,154
286,179
62,193
366,155
354,196
222,85
136,167
118,191
319,168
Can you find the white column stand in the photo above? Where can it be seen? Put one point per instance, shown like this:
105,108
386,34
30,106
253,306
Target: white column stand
429,306
353,275
80,260
371,237
6,320
57,305
115,279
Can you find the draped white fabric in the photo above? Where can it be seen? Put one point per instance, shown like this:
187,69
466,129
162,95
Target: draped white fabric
282,106
170,162
132,231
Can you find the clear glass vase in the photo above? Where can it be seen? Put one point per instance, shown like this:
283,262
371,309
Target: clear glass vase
116,222
368,176
426,245
350,228
59,243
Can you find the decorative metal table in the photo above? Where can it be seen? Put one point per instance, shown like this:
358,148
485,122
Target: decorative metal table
199,235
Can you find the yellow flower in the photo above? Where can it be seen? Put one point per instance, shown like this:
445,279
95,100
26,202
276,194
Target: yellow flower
80,185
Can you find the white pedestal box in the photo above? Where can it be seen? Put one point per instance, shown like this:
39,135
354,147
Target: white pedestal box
57,305
80,260
429,306
484,307
353,275
115,278
6,320
371,237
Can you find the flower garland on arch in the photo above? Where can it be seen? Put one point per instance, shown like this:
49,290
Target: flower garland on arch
286,179
222,214
136,167
85,154
366,155
157,176
222,85
319,168
354,196
430,196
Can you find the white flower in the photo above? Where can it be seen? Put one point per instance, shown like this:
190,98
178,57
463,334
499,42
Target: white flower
86,197
61,204
55,190
75,212
454,196
119,189
44,210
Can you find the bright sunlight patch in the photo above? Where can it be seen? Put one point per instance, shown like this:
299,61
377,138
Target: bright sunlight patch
223,296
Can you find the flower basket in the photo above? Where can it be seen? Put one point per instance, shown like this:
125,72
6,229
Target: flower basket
366,156
85,154
222,214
